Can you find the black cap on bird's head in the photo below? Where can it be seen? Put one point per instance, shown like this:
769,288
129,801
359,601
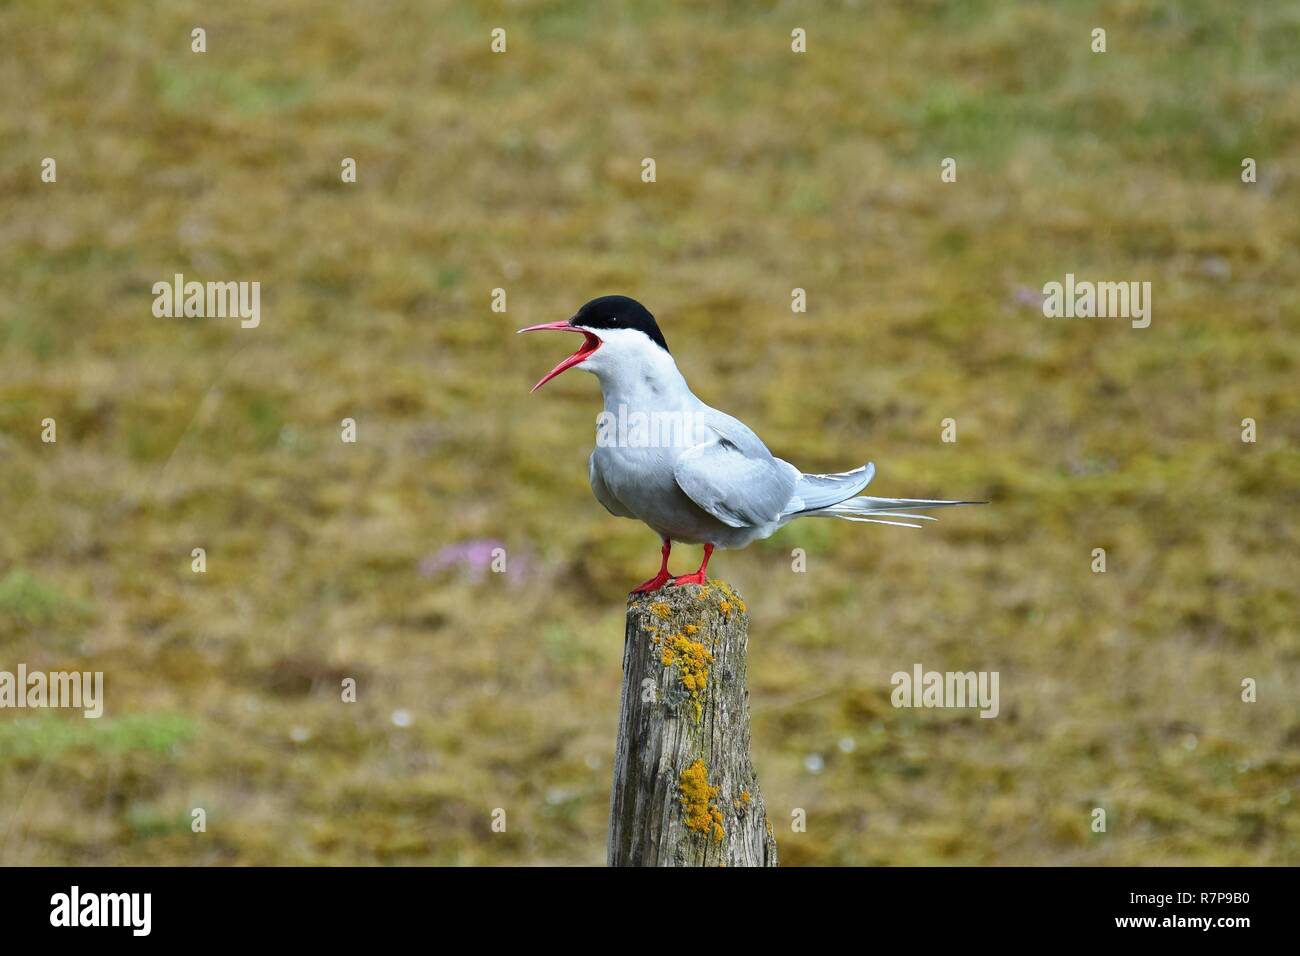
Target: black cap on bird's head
607,313
619,312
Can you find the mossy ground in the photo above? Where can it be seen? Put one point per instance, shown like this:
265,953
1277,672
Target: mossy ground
480,690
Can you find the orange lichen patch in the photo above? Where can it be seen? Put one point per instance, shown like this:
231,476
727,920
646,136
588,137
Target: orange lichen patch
692,629
692,660
744,796
661,610
730,600
697,796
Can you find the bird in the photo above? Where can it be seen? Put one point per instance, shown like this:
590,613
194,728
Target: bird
693,474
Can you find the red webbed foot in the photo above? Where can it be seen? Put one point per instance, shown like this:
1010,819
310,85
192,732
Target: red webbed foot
663,577
699,577
654,584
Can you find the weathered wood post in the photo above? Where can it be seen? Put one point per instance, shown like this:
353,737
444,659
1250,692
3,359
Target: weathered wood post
685,792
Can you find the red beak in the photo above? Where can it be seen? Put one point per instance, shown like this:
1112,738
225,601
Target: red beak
589,344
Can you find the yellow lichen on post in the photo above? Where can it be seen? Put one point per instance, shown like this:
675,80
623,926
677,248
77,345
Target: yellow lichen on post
730,601
692,660
698,809
706,809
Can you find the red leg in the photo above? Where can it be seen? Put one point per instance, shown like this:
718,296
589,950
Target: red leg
660,579
699,577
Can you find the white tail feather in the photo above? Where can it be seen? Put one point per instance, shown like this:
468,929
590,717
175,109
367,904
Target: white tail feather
896,524
859,508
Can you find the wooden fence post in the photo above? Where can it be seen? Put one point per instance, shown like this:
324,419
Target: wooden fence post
685,792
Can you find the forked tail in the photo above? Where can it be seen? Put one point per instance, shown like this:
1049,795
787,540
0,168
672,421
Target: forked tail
872,510
836,496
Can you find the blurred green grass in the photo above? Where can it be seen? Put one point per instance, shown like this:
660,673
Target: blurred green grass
522,171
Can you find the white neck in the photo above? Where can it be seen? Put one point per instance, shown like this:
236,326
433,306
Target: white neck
638,374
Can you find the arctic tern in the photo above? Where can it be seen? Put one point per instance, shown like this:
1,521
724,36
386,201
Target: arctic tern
709,480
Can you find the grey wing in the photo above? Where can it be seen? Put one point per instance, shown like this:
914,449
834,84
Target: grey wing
734,477
602,493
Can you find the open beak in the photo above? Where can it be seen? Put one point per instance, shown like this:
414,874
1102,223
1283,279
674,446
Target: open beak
589,344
